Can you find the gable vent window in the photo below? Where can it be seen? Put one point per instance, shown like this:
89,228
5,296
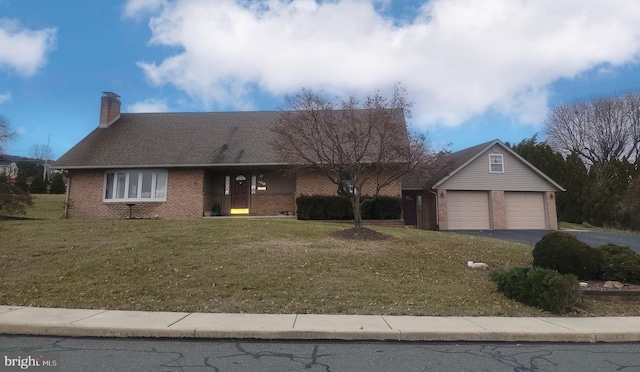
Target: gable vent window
135,185
496,163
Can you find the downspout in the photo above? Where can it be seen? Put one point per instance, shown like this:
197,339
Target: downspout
437,208
66,197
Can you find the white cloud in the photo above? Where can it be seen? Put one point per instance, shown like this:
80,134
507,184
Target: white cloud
21,130
457,58
22,49
135,8
5,97
149,105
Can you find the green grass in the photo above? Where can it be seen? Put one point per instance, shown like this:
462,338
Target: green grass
253,266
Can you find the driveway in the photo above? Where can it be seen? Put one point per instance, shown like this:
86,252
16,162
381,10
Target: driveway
531,237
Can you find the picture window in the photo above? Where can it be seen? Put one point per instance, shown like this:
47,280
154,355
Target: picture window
135,185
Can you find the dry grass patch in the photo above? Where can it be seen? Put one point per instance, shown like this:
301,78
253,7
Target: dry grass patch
255,266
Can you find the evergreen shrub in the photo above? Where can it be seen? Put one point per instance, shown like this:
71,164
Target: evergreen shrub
565,253
543,288
57,185
382,208
619,263
324,207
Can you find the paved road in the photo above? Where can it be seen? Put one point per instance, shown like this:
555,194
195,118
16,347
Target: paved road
531,237
93,354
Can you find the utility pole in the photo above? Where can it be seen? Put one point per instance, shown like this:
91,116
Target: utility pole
46,160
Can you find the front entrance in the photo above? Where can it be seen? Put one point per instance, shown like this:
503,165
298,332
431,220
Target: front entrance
240,195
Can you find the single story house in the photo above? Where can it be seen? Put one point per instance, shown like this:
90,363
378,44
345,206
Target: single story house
185,166
484,187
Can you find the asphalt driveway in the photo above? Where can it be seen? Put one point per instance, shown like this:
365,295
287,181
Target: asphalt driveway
531,237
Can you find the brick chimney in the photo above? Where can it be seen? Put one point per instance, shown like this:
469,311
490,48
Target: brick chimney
109,109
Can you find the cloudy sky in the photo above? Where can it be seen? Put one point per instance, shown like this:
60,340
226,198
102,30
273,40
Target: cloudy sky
475,70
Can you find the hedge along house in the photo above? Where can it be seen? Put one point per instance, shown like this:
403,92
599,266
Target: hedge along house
485,187
184,166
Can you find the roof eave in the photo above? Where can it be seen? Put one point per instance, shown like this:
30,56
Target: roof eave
130,166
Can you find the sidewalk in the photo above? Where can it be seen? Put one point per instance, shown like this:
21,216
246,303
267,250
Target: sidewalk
117,323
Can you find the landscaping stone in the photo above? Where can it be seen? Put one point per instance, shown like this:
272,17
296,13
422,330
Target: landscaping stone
613,284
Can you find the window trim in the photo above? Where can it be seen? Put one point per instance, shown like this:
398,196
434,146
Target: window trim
155,174
501,163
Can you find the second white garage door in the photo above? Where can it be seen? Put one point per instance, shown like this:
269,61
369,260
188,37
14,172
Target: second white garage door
468,210
525,210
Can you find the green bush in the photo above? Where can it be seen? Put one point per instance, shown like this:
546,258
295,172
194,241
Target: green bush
619,263
565,253
323,207
382,208
57,185
543,288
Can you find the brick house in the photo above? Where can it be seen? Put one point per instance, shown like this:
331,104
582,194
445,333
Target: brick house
185,166
484,187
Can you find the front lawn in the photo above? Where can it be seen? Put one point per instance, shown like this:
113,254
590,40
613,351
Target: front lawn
253,266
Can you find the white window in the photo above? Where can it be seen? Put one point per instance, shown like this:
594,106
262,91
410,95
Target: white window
135,185
496,164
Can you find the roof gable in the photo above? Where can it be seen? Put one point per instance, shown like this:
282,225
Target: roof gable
456,163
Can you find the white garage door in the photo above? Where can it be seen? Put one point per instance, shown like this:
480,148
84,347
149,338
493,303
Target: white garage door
525,210
468,210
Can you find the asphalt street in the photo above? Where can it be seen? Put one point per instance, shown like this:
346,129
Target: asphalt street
531,237
95,354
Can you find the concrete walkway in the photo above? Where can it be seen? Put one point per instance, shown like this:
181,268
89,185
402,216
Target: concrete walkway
117,323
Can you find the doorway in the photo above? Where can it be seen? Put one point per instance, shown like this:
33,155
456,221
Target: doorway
240,195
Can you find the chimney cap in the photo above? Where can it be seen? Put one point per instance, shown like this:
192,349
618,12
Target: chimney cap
110,95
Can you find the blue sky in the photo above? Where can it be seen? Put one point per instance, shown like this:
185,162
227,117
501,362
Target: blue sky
475,70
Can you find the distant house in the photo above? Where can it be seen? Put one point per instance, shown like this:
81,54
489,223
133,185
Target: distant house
485,187
184,166
10,169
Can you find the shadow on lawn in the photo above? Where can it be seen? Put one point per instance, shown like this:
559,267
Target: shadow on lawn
18,218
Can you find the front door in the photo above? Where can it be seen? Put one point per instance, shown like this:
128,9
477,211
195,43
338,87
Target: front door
240,195
409,210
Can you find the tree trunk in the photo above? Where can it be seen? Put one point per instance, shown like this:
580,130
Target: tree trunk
357,214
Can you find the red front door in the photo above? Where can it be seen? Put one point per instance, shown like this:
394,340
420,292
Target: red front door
239,194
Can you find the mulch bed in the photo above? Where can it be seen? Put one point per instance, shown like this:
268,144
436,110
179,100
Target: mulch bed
597,291
361,233
598,285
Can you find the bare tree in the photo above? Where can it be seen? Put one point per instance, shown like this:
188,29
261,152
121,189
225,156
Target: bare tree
13,200
599,130
41,152
5,132
353,142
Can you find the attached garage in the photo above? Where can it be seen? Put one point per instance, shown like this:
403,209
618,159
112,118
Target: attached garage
488,187
525,210
468,210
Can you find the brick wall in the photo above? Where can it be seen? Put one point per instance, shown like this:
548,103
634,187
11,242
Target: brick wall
272,204
552,214
443,219
184,197
498,210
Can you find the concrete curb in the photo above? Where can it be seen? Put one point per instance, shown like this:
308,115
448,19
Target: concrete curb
116,323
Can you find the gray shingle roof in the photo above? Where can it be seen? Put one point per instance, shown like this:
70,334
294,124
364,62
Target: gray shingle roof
421,179
177,139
